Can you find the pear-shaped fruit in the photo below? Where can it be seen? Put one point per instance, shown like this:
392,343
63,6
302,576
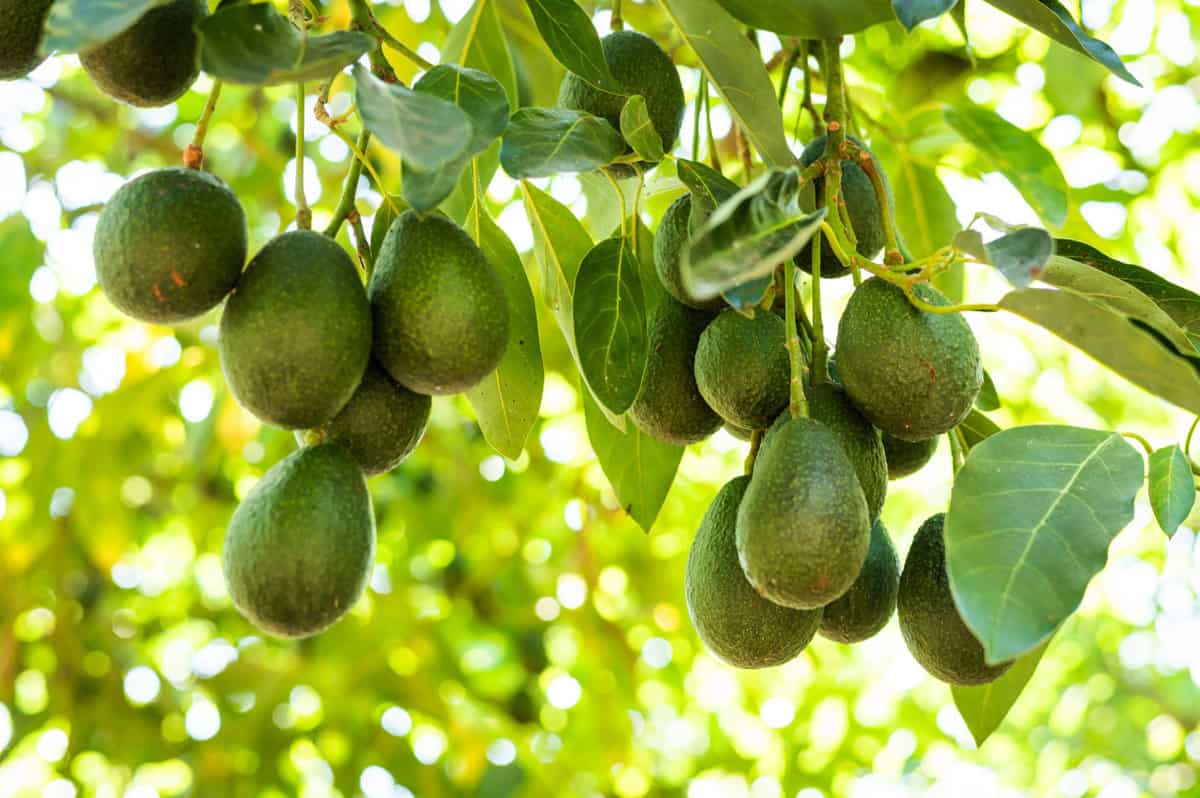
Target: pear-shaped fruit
861,442
742,368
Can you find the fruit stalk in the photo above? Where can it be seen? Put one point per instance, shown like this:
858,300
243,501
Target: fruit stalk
362,14
798,403
193,156
350,188
618,22
303,212
820,351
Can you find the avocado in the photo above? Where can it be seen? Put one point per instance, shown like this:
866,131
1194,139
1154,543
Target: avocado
905,458
153,63
382,423
639,66
21,25
912,374
861,204
674,232
295,337
669,406
170,245
441,318
869,603
300,546
803,529
742,368
861,442
737,625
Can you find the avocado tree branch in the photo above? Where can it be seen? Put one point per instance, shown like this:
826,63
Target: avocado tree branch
1187,444
1145,444
362,244
806,101
303,212
349,188
755,444
798,403
891,253
820,356
365,18
193,155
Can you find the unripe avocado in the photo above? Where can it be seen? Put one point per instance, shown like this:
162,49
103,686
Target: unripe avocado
674,232
153,63
21,24
301,544
170,245
869,603
907,457
441,318
669,406
737,625
742,368
933,629
803,528
296,334
912,374
861,442
861,204
639,66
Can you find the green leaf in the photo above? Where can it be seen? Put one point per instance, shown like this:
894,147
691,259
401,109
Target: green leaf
1137,354
75,25
427,131
507,402
383,221
543,142
736,69
255,45
977,428
1018,155
811,19
1172,488
984,707
638,130
610,323
1052,19
1032,513
709,189
639,468
912,13
568,32
925,213
988,399
1021,256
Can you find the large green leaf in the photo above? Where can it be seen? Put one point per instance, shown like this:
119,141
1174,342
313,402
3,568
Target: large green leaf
255,45
1018,155
638,130
543,142
427,131
736,69
75,25
610,323
811,19
912,13
1172,488
568,32
984,707
1032,513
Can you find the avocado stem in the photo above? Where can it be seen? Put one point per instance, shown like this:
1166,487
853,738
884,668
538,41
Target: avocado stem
303,212
755,444
798,403
349,188
620,199
713,156
1187,444
361,12
956,451
820,351
618,22
1145,444
193,156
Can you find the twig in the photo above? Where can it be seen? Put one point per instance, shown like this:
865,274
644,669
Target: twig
349,189
798,403
363,14
820,357
303,212
193,154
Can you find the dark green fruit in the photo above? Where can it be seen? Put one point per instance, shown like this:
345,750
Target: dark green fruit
669,406
296,335
737,625
170,245
905,458
912,374
639,66
742,368
382,423
935,633
441,319
803,529
862,205
869,603
300,545
21,24
673,235
860,441
153,63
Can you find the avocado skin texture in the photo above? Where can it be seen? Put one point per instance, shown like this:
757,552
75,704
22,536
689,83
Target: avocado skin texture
860,441
170,245
742,368
738,626
674,232
905,458
867,606
912,374
295,337
21,25
934,632
153,63
639,66
861,204
300,546
382,423
803,528
441,319
669,406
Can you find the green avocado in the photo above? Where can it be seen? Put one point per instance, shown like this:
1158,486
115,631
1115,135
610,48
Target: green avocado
441,317
869,603
674,232
669,406
933,629
905,458
862,205
861,442
803,529
737,625
912,374
300,546
170,245
153,63
295,338
742,368
21,25
639,66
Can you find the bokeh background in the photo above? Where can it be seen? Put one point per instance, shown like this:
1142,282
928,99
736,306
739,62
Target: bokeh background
521,636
